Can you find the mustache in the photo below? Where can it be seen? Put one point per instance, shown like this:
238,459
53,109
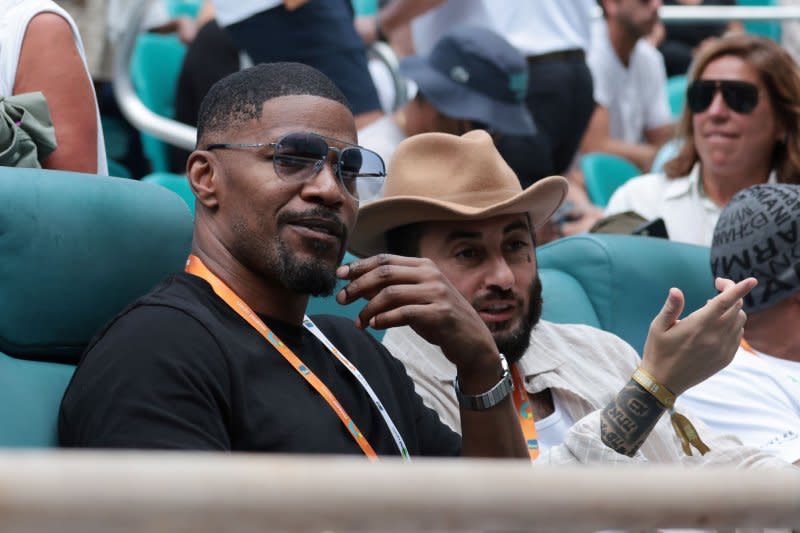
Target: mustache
496,295
336,223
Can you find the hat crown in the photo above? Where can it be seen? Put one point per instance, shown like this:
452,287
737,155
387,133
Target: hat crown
758,235
483,61
467,170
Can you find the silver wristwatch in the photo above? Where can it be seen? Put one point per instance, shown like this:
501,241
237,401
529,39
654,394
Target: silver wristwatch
490,398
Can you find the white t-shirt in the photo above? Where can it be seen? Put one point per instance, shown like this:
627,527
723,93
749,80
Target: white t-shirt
635,96
756,398
427,28
552,430
229,12
537,27
382,136
15,15
532,26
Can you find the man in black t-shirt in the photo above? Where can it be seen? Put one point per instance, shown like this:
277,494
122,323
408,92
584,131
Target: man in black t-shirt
221,358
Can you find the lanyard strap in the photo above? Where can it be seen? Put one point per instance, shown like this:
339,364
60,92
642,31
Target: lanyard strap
525,414
195,266
746,346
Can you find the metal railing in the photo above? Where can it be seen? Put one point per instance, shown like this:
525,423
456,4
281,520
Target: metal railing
180,491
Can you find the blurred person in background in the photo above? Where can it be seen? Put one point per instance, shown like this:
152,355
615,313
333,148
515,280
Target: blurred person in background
319,33
741,127
472,79
757,396
42,52
632,117
552,36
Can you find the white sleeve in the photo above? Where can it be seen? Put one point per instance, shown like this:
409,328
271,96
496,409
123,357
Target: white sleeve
658,112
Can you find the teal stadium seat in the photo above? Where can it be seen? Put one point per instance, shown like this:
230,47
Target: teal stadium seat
75,249
620,282
603,174
183,8
155,66
176,183
676,94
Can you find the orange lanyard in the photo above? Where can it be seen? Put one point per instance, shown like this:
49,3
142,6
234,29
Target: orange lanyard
525,414
746,346
195,266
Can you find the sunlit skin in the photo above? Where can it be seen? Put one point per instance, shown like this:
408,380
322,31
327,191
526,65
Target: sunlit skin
249,215
491,262
735,149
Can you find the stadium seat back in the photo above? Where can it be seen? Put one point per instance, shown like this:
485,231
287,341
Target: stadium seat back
176,183
75,249
620,282
603,174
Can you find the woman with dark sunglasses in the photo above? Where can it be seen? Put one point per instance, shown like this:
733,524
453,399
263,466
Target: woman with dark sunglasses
740,127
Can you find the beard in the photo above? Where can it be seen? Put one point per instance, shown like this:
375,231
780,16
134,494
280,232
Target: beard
514,343
276,261
313,276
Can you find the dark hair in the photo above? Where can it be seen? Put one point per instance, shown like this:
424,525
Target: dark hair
779,74
404,240
241,96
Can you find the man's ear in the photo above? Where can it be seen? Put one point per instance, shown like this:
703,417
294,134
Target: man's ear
201,171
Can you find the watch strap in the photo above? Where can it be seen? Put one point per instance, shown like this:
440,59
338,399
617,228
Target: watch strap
490,398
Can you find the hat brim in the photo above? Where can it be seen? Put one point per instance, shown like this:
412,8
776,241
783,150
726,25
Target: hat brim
458,101
375,218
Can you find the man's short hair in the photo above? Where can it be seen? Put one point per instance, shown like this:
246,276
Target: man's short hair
404,240
240,97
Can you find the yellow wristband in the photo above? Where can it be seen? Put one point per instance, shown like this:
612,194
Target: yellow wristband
649,383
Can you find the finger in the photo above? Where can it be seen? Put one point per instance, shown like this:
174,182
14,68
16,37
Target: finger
361,266
723,283
369,283
728,297
672,309
731,313
408,315
394,297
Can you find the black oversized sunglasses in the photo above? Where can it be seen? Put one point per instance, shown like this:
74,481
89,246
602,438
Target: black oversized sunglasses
298,156
739,96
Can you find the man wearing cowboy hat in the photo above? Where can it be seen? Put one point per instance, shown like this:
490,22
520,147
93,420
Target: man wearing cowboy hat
579,388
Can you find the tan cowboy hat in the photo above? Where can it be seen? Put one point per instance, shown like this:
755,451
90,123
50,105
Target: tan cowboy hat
439,177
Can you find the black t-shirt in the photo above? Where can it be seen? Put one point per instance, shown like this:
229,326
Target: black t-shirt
179,369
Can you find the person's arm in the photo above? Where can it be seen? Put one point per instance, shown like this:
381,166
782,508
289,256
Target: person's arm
405,291
678,354
391,17
50,62
598,139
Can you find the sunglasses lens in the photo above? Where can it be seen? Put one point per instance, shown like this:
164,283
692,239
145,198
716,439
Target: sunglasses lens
362,172
298,156
699,95
740,96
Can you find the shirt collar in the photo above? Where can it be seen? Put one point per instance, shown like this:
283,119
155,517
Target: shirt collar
691,184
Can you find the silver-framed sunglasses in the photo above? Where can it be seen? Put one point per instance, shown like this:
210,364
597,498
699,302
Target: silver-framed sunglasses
298,156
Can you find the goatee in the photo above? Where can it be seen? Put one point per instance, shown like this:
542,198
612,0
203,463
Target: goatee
513,344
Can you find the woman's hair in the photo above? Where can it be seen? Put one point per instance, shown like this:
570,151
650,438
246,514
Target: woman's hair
779,74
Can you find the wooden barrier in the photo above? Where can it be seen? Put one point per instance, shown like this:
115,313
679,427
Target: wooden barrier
138,491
